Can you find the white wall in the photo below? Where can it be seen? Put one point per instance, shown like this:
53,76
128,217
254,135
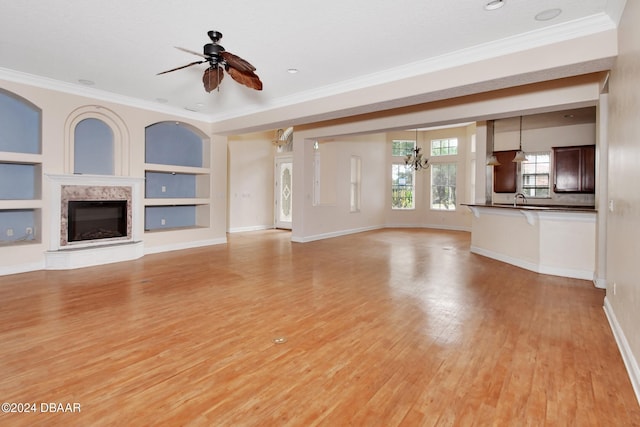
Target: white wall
312,222
251,182
623,222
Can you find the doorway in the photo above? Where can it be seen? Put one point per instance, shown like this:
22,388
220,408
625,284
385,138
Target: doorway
283,191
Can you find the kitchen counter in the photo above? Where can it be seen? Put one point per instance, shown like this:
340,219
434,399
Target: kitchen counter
549,239
541,207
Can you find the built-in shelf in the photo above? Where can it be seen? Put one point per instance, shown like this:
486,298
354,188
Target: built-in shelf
154,167
177,178
175,202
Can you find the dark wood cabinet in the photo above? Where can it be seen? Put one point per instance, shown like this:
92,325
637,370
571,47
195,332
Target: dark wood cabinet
574,169
506,174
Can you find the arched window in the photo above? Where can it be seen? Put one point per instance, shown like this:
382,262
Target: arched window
93,148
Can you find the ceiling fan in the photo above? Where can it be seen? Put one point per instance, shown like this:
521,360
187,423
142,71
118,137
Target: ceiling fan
219,59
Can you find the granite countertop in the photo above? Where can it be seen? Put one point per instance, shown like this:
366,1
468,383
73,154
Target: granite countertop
556,208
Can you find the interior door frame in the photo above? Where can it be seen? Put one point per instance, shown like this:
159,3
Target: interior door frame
278,160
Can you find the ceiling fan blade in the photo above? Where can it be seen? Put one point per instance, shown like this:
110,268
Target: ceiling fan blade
212,78
193,52
247,78
180,68
234,61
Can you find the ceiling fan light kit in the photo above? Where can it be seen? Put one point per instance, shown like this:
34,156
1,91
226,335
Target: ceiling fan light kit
219,61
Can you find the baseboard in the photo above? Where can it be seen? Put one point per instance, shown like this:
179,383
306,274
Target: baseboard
251,228
21,268
184,245
322,236
623,345
600,283
430,226
531,266
88,257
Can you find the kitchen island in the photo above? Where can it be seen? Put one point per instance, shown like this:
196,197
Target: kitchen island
549,239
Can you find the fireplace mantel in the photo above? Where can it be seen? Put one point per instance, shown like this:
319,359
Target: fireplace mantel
65,255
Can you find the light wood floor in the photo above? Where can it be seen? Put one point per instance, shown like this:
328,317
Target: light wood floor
385,328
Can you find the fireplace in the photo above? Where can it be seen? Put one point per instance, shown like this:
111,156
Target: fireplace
96,219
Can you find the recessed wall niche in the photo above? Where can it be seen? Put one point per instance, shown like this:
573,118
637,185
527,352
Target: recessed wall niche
96,143
93,148
177,184
20,170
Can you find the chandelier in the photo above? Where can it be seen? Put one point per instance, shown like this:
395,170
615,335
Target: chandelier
415,159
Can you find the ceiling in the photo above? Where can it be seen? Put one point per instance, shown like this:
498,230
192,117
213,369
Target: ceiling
115,49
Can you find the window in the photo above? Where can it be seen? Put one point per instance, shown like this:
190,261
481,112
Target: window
402,147
444,147
355,183
402,188
535,175
443,186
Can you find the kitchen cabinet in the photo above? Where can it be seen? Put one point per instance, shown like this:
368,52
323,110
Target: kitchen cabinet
574,169
505,175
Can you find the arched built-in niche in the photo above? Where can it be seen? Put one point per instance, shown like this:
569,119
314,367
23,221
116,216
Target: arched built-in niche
20,169
177,176
93,148
20,124
93,118
176,143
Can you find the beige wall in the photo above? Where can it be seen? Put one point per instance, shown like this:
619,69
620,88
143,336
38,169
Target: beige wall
58,109
423,215
316,221
623,225
251,182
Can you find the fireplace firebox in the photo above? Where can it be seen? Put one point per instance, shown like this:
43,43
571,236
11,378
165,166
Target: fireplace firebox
96,219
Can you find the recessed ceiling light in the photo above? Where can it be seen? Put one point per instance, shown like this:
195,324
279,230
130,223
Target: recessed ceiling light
86,82
292,70
547,15
494,4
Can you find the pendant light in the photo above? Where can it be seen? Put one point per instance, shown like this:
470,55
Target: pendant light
415,159
520,156
492,160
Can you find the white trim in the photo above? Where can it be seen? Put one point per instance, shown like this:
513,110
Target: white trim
625,350
89,257
332,234
250,228
587,26
431,226
185,245
532,266
22,268
600,283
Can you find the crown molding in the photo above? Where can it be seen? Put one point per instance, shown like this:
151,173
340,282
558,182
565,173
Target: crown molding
98,94
533,39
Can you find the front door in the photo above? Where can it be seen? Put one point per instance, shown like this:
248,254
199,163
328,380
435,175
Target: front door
283,192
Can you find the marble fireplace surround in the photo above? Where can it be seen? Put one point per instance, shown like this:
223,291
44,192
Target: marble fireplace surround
66,255
84,193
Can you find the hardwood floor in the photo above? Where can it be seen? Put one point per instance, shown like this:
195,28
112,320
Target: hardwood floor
384,328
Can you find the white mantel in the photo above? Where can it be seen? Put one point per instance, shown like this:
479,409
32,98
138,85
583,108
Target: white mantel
61,255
